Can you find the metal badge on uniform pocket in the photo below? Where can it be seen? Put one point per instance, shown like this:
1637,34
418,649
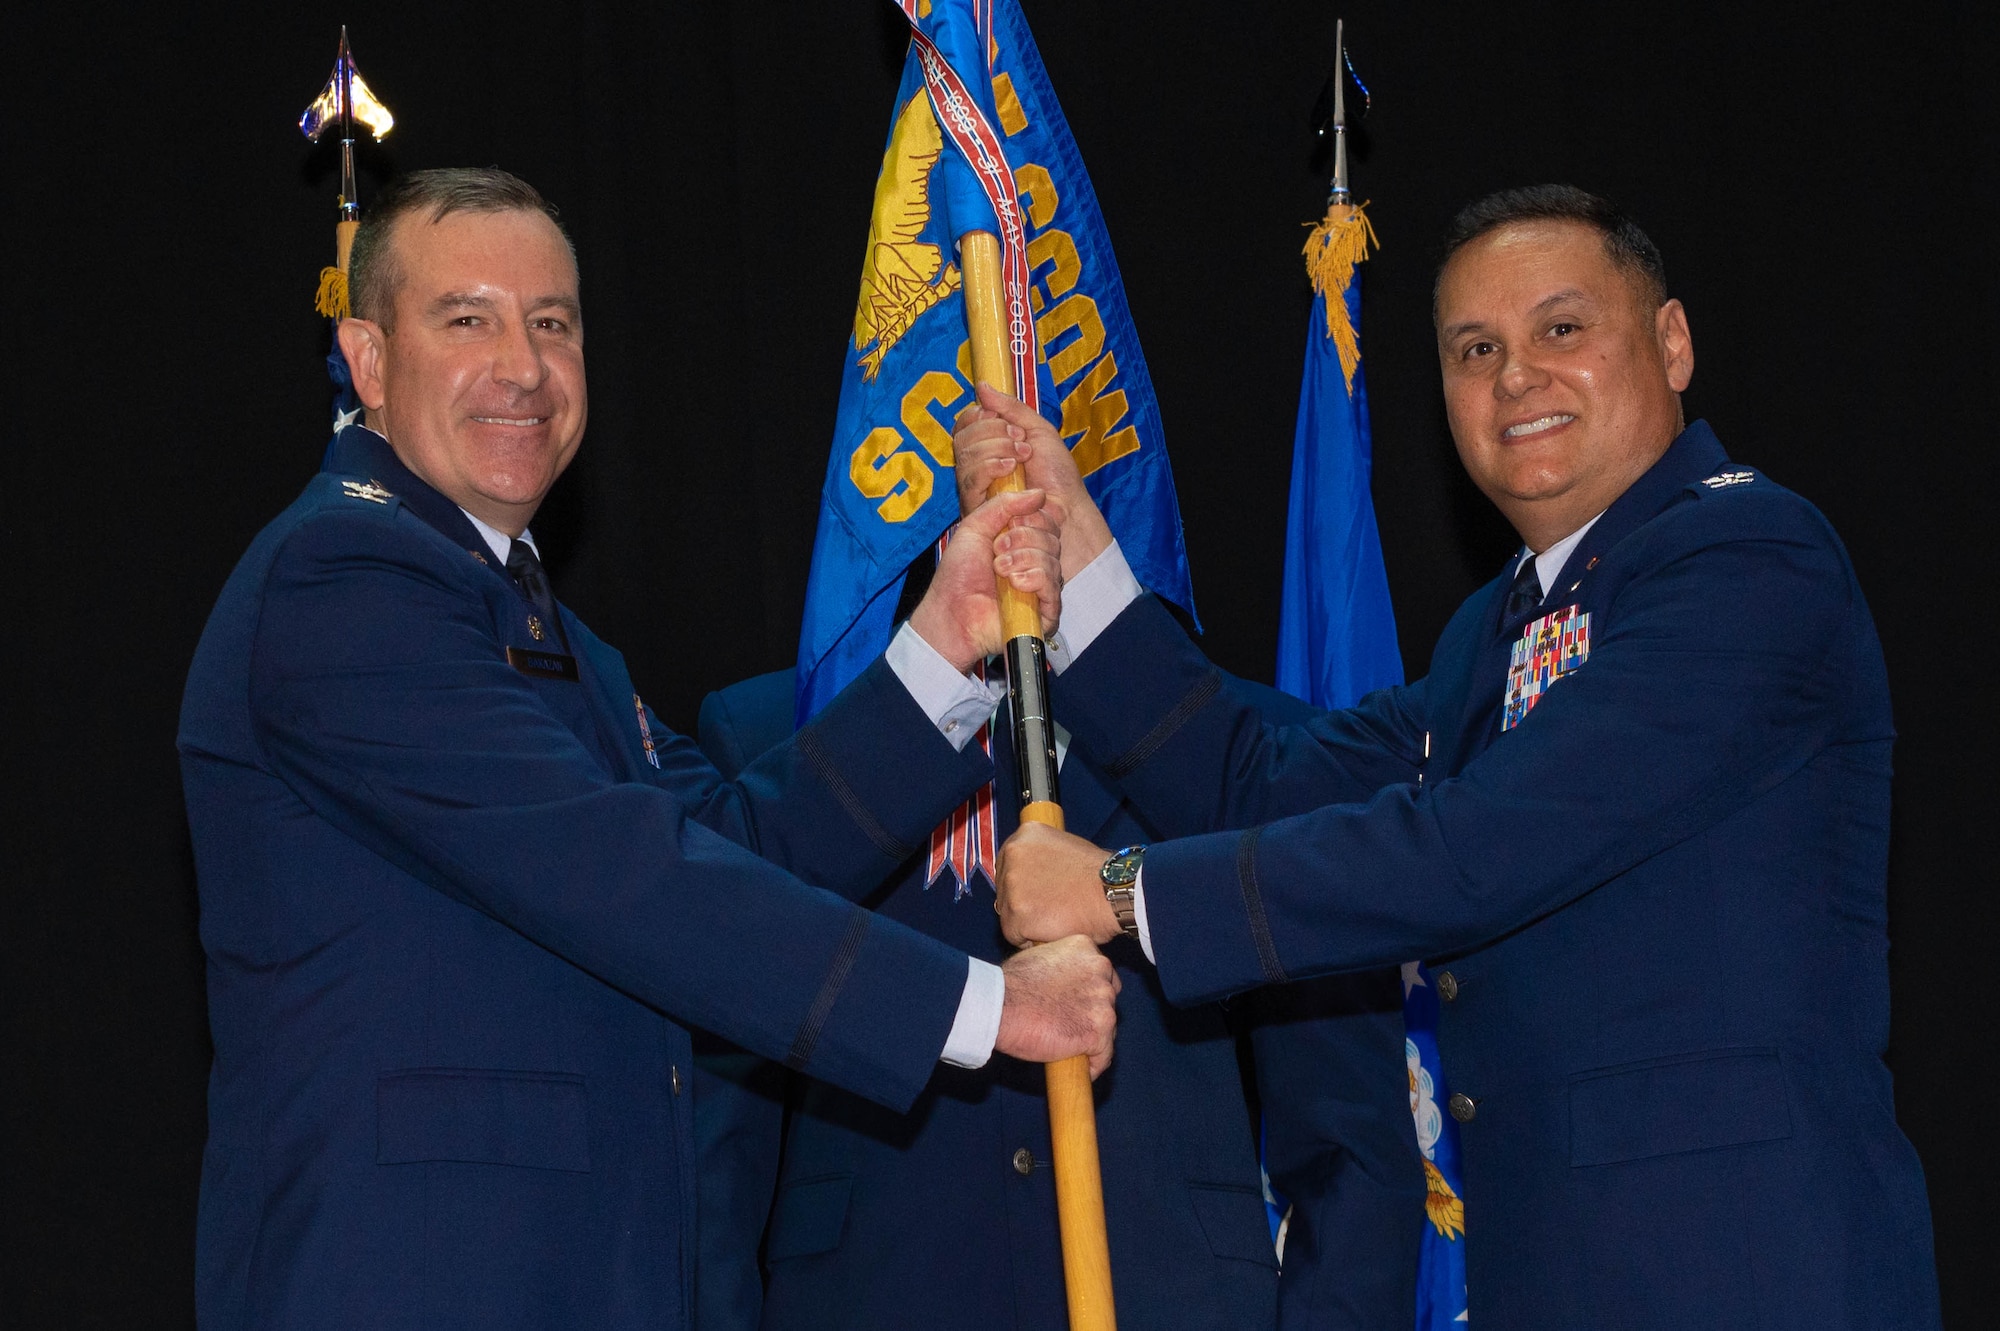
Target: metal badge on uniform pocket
1550,647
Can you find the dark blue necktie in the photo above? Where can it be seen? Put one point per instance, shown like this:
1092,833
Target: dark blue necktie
526,571
1522,598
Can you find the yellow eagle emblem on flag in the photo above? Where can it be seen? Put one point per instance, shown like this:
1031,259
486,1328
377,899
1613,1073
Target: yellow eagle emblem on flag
901,276
1441,1205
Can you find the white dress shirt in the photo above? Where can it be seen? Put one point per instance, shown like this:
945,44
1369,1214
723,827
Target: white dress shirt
1549,563
500,542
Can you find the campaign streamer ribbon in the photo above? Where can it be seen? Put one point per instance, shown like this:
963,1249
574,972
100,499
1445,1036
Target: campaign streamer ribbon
961,118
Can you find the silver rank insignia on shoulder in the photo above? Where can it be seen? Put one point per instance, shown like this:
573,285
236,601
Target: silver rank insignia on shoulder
369,490
1722,480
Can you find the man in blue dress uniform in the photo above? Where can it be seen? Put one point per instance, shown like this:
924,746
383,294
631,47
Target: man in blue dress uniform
460,890
1636,817
947,1216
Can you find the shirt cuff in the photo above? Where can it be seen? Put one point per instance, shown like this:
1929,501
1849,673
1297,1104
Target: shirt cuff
1139,914
1090,601
956,704
977,1026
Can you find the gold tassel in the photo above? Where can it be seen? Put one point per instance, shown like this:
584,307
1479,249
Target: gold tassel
1340,241
332,298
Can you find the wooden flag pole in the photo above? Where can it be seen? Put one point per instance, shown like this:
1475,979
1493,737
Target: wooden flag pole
1072,1112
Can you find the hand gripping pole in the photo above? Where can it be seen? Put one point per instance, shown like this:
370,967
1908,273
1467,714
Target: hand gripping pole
1072,1112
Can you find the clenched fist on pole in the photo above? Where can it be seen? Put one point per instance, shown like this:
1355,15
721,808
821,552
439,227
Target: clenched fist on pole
1050,888
1060,1002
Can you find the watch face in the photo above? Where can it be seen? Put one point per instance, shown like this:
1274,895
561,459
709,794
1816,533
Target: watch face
1122,869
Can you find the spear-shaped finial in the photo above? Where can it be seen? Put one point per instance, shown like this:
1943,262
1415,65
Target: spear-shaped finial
1330,111
1340,190
344,100
1342,239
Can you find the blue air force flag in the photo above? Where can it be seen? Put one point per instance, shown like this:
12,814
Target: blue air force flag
1337,642
976,142
1336,630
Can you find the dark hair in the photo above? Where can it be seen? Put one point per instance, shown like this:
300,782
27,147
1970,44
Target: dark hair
373,275
1624,243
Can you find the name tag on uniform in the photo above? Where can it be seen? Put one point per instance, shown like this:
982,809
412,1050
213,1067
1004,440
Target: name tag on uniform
541,664
1550,647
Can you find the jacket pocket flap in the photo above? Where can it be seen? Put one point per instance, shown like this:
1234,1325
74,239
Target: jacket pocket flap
537,1120
1235,1222
809,1217
1698,1102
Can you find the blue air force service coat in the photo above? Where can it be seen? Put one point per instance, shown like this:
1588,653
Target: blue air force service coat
459,893
947,1216
1648,849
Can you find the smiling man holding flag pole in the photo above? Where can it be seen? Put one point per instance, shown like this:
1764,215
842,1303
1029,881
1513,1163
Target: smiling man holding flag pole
1596,769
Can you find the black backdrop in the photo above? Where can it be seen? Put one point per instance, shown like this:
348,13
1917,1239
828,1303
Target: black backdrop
1820,182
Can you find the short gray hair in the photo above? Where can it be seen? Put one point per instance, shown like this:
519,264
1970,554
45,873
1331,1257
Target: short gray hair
373,275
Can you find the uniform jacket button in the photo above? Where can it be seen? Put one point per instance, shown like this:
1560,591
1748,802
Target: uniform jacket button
1447,984
1463,1107
1024,1162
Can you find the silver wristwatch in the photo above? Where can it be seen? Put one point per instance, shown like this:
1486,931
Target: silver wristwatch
1120,876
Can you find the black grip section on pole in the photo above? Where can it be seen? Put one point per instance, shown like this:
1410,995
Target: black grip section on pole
1034,731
